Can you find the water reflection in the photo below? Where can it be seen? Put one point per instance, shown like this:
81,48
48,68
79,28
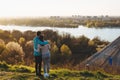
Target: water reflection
108,34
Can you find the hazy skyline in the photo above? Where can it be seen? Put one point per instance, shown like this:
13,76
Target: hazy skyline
21,8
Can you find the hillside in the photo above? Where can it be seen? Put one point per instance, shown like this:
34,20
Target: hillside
107,59
20,72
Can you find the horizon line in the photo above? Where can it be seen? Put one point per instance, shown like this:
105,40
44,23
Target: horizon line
58,16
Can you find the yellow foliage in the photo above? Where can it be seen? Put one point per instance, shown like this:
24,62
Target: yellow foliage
65,50
98,49
21,40
91,43
13,53
55,48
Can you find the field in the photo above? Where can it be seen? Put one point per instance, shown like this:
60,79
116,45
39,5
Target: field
21,72
59,75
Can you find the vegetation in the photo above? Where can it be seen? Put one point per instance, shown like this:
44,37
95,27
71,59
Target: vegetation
17,48
20,72
13,53
102,24
53,22
89,21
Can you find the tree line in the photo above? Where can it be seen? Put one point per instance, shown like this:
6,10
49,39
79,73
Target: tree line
17,47
63,22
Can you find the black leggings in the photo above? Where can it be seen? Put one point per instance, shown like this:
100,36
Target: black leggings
38,61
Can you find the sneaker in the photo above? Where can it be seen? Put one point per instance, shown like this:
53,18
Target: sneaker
46,75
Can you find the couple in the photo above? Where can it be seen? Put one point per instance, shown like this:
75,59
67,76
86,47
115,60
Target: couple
41,53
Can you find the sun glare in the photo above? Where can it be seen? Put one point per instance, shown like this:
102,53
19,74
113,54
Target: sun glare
19,8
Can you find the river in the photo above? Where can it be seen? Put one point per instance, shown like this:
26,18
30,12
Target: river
108,34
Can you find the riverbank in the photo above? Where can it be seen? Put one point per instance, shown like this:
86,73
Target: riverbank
91,33
68,22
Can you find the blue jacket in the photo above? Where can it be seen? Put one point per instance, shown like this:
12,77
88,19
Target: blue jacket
37,41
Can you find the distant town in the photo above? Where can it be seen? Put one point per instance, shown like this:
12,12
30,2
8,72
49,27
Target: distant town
79,17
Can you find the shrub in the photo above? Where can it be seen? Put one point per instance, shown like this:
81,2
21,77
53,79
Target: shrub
2,45
65,50
13,53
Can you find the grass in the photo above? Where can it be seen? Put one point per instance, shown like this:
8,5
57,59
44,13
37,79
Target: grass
20,72
60,74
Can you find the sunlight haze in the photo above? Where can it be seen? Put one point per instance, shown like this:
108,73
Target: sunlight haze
21,8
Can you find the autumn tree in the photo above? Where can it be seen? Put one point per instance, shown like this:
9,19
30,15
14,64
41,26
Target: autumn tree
13,53
2,47
29,35
54,48
16,34
22,41
55,55
65,50
91,43
28,52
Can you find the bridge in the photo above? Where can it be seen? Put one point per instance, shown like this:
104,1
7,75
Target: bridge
107,59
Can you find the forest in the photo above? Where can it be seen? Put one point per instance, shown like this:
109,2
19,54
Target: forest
66,51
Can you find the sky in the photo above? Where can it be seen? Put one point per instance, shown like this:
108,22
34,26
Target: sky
34,8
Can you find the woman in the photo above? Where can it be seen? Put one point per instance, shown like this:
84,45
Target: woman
45,50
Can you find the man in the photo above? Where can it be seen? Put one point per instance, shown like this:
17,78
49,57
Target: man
37,54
